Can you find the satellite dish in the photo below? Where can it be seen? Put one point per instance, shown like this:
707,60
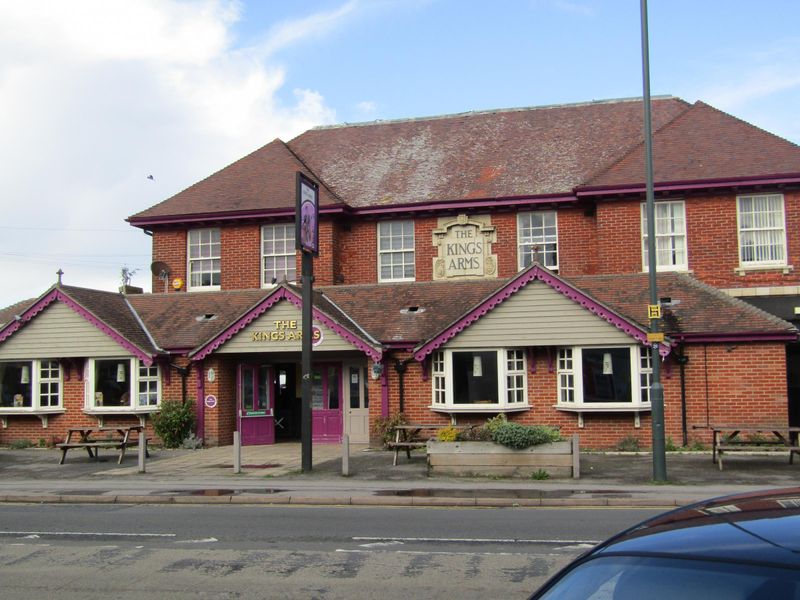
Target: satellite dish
161,270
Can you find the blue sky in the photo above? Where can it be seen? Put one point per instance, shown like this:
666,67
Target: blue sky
95,95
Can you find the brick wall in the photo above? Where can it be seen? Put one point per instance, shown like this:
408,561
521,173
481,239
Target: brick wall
724,383
601,239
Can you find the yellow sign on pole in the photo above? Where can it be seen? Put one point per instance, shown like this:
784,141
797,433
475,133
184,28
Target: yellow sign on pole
653,311
655,338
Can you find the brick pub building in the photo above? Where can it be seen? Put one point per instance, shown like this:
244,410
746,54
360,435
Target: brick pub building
470,265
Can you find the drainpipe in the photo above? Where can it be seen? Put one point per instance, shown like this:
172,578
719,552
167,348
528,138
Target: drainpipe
400,366
184,373
682,360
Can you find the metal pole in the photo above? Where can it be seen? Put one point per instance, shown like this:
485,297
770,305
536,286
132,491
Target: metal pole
656,389
305,416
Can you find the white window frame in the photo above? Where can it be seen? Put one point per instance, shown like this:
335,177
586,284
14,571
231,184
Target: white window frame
396,257
138,372
570,380
508,369
748,229
271,277
37,377
537,237
671,241
207,250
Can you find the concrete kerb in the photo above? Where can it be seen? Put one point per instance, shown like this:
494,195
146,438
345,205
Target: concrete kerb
608,480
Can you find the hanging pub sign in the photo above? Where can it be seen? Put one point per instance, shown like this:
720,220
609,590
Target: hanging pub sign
307,211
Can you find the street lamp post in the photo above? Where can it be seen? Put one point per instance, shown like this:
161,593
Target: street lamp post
656,389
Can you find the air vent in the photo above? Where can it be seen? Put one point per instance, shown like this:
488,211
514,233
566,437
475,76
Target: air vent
205,317
412,310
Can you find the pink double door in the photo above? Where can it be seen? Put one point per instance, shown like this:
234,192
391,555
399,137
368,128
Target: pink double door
326,403
255,415
256,403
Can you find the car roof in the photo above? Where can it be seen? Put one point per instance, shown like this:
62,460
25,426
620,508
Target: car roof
760,527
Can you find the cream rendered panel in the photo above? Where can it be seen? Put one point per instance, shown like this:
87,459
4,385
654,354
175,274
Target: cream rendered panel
59,332
538,315
243,342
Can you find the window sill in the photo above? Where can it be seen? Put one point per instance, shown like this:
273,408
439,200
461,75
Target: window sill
480,408
600,408
42,413
745,269
204,288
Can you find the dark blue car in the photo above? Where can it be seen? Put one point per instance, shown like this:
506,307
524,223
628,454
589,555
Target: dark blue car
742,547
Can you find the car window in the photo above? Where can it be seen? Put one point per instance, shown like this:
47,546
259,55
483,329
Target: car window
653,578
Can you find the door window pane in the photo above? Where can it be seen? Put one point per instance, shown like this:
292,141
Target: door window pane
333,388
355,387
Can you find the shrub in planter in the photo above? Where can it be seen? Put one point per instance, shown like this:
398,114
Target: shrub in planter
447,434
174,423
385,427
518,436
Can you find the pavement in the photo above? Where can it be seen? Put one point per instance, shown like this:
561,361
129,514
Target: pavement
272,475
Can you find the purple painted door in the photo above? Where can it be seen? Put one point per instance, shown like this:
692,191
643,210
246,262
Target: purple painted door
255,416
326,404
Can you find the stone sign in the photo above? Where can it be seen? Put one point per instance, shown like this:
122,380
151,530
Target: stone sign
465,248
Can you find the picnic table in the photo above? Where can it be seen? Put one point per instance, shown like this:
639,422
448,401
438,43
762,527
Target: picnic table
762,438
92,439
409,436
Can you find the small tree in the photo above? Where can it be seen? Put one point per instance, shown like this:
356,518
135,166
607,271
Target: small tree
174,423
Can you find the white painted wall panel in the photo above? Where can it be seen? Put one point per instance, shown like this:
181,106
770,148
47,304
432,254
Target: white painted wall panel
59,332
538,315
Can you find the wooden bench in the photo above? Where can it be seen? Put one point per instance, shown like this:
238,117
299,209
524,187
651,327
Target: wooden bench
117,438
407,437
755,448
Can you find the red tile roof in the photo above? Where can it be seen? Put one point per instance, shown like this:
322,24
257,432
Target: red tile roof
261,181
705,143
501,154
483,155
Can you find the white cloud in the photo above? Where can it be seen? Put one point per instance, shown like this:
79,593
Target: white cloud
97,94
366,107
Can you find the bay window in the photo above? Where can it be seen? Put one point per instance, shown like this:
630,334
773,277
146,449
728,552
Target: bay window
117,384
479,380
30,385
602,379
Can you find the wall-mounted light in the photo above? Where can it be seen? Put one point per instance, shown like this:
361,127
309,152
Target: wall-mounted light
25,375
608,366
121,373
477,366
377,370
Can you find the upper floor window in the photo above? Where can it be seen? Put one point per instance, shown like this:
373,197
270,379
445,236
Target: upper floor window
479,380
204,259
613,378
762,235
396,251
670,230
122,384
30,384
278,254
537,237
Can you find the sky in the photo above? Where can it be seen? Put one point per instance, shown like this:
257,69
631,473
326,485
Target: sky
108,107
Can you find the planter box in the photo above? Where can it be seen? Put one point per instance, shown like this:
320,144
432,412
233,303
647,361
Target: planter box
558,459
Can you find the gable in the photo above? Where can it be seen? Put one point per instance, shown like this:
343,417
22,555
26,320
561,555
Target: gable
279,330
538,315
59,332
